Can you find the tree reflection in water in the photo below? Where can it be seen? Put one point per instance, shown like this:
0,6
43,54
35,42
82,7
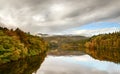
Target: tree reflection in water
28,65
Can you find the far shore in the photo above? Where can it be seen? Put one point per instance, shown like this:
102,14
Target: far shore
65,53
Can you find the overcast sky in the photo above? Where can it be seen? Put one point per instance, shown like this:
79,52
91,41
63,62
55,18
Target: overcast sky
59,16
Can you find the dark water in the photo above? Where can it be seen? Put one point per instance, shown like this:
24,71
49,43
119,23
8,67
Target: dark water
28,65
83,64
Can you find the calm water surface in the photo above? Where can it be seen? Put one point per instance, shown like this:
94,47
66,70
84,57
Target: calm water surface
83,64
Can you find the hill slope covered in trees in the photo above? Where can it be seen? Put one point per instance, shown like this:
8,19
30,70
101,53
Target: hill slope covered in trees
105,46
16,44
66,44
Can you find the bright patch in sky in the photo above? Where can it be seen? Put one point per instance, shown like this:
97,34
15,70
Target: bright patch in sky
100,25
57,8
94,29
39,18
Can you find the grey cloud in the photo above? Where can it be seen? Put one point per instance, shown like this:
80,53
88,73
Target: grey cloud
21,13
88,7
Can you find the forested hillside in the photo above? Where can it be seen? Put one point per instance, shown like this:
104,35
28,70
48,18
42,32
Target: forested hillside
66,44
16,44
105,46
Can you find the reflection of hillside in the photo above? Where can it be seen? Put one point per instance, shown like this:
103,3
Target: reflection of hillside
23,66
61,45
106,55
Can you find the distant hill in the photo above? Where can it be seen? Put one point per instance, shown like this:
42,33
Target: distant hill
61,44
64,38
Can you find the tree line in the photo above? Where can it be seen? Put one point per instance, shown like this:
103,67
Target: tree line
104,46
16,44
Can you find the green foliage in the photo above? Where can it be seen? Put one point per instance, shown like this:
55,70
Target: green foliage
105,46
18,44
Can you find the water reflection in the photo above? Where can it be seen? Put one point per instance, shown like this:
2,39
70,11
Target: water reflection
77,65
83,64
23,66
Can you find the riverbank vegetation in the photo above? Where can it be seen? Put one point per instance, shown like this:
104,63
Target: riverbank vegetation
16,44
104,47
